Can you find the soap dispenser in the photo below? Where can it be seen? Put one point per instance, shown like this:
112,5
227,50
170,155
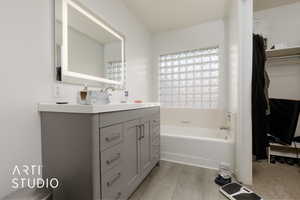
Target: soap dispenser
82,95
125,97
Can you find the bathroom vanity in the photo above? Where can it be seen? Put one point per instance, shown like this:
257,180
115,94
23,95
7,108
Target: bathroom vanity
99,152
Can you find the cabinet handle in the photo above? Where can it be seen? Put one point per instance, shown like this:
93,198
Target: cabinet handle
139,130
113,159
110,139
143,132
109,183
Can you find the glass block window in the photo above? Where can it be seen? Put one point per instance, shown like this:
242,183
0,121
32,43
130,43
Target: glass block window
190,79
113,71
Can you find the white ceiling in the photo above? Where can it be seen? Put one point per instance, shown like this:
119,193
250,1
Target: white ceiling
164,15
265,4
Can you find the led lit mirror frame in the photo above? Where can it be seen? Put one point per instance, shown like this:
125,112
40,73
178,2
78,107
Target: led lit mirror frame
79,78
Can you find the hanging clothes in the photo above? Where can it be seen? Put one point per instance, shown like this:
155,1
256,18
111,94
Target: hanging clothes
259,99
284,119
267,85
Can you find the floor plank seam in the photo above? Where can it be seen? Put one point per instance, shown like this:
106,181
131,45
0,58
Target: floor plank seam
177,183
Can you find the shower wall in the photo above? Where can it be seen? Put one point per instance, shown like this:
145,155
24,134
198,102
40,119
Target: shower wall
205,35
189,117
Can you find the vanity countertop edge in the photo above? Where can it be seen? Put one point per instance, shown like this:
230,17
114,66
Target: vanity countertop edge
92,109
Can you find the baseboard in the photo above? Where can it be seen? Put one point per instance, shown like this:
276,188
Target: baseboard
190,160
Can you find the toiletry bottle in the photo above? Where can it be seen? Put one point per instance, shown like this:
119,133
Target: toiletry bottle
83,95
125,97
126,94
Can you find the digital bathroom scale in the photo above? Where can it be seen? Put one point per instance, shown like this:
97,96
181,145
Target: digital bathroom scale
235,191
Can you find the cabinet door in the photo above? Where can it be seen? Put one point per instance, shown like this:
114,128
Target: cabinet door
131,155
145,141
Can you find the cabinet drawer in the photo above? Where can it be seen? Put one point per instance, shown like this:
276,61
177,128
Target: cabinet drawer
111,157
107,119
110,136
112,184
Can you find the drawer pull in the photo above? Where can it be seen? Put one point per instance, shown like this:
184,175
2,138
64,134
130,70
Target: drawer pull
118,195
110,139
139,132
108,162
142,131
109,183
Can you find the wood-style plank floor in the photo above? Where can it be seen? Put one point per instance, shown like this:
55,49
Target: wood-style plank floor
171,181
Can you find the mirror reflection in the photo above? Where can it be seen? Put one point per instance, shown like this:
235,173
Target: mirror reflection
91,48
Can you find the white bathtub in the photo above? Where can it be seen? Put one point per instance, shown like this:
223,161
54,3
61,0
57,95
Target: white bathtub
197,146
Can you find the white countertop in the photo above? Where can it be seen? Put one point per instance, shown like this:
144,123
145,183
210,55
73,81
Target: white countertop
77,108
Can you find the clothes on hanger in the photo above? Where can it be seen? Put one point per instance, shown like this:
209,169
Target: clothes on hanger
260,84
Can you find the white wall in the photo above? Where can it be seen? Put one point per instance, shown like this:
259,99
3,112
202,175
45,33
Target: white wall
239,49
282,25
244,123
27,78
232,55
27,75
204,35
279,25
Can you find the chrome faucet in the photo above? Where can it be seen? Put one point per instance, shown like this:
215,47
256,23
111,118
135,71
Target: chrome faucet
109,88
104,95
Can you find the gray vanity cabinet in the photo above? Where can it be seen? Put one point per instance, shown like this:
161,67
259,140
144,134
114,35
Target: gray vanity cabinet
131,152
155,138
145,146
137,152
101,156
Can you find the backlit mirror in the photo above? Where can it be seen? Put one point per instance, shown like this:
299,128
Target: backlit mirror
88,50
